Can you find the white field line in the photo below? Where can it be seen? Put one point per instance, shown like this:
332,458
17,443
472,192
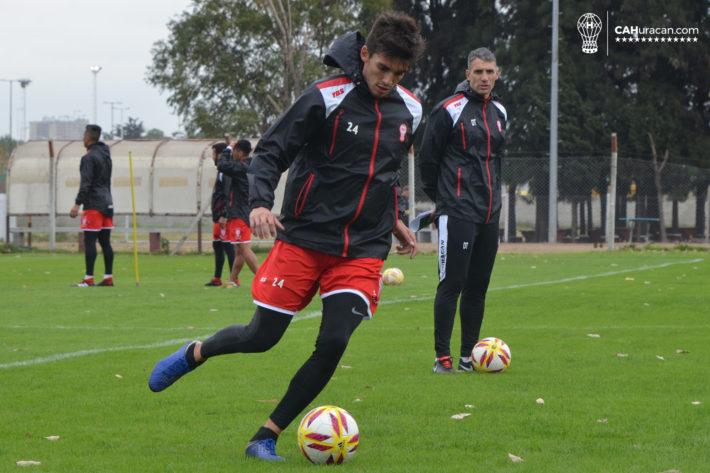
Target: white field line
314,314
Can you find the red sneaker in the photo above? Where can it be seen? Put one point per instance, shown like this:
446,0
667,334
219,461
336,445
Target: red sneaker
107,282
443,365
87,282
215,282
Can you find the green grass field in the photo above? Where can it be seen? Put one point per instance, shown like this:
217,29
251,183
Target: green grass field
75,364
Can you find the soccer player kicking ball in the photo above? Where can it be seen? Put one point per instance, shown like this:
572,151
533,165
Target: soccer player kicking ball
343,141
95,196
460,162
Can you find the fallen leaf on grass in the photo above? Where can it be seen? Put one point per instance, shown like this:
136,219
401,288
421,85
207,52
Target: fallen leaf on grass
603,420
515,458
659,357
469,406
680,351
622,355
346,366
53,438
28,463
629,279
357,399
213,310
461,415
540,401
162,295
593,335
696,403
118,376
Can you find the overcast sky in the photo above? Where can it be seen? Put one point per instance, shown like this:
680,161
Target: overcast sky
54,42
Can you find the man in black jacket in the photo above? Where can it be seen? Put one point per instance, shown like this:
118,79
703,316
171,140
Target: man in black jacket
220,209
234,162
95,196
342,142
460,162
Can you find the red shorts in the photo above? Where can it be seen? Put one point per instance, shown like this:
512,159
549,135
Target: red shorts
234,231
290,276
95,221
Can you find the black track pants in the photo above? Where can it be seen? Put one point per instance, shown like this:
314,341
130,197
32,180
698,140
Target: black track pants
338,323
467,252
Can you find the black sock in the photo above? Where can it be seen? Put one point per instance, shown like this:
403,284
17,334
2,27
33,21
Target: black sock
264,433
190,356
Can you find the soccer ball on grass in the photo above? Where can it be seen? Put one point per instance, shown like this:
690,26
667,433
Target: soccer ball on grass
491,355
392,277
328,434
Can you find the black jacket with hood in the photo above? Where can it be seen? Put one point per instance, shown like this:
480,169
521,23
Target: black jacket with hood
95,188
220,197
460,155
343,148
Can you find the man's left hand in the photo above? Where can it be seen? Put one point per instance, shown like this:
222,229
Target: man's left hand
74,211
406,238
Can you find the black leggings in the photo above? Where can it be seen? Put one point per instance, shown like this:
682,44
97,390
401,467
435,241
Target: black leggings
266,329
467,252
104,237
220,248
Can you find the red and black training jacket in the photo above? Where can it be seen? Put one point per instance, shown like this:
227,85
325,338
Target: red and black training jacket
460,155
343,148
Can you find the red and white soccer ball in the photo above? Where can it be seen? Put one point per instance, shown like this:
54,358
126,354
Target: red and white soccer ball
491,355
328,434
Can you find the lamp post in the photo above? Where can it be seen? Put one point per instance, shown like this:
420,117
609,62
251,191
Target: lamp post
10,81
95,70
24,132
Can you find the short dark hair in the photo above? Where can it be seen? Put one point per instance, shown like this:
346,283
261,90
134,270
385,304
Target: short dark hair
243,145
219,147
94,132
397,35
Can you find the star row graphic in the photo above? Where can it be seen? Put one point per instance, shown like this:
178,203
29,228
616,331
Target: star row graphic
656,39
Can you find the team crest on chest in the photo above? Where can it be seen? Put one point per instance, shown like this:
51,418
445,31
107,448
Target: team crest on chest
402,132
473,122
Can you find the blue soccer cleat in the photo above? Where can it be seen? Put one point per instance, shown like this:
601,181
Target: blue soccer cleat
264,449
168,370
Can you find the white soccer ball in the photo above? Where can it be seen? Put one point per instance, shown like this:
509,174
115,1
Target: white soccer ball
491,355
393,277
328,434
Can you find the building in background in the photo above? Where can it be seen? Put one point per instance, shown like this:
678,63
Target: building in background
62,128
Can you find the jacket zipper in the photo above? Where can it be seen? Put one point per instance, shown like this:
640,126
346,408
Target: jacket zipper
488,167
463,137
336,123
458,182
367,181
303,195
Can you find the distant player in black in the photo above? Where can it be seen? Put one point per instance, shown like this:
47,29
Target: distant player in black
95,197
460,162
234,162
220,209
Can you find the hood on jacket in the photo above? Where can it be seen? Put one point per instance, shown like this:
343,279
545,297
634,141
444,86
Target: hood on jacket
464,87
101,148
344,53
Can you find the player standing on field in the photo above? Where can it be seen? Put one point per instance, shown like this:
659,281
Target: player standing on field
460,162
95,197
219,206
342,141
234,162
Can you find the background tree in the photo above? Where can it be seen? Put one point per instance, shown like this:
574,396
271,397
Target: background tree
133,129
154,134
237,65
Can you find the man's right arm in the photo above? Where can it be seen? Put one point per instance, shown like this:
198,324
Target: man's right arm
432,149
280,145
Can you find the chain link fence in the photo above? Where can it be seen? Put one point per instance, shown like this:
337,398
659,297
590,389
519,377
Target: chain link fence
582,200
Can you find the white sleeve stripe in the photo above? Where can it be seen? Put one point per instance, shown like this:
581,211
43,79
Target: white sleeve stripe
414,107
455,108
500,107
334,95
